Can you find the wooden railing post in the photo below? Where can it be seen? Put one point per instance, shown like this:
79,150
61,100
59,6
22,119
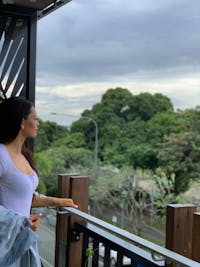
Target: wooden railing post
79,186
179,225
68,252
196,237
62,222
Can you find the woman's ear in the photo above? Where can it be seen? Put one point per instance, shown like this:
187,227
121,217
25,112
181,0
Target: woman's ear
23,124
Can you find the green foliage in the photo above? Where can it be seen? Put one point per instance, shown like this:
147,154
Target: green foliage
116,99
192,195
148,154
122,122
43,163
143,156
144,131
138,131
112,156
42,187
135,132
180,155
48,133
75,140
87,129
56,160
163,124
146,105
191,119
136,192
108,178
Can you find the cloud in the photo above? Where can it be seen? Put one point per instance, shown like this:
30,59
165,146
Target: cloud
68,102
95,39
89,46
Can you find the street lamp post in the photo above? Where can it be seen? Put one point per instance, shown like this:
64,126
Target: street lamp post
95,155
96,139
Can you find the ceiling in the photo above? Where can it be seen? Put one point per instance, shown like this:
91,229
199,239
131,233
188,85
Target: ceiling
43,7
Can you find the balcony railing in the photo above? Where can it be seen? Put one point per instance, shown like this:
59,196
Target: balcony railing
98,234
83,240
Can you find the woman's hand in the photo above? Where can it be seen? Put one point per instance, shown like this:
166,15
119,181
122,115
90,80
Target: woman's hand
66,202
45,201
35,219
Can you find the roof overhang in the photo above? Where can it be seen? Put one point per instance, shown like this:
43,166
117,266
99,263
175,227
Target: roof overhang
43,7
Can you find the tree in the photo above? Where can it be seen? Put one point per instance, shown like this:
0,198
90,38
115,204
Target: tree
117,100
146,105
163,124
47,134
57,160
72,140
142,156
135,201
180,155
119,189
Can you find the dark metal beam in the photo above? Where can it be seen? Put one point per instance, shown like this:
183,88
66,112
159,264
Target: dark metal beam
43,8
31,57
52,8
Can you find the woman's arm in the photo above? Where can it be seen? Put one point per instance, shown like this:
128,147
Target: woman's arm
44,201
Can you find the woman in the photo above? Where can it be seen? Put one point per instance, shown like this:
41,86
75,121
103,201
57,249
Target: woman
18,176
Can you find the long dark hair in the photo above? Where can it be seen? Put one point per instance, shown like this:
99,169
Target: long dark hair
12,111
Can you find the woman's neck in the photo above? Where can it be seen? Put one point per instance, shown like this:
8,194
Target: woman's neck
16,145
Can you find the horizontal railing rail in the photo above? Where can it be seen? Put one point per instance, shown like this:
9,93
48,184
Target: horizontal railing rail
103,240
155,250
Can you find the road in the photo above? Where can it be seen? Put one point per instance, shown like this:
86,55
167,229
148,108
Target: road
46,242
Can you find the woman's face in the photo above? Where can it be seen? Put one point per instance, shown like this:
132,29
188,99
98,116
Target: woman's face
30,125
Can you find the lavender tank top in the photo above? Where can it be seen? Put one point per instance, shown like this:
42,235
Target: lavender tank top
16,188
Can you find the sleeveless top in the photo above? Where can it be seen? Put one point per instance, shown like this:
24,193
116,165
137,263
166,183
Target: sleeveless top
16,187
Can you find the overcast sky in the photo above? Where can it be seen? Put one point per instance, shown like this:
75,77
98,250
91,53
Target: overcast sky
89,46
